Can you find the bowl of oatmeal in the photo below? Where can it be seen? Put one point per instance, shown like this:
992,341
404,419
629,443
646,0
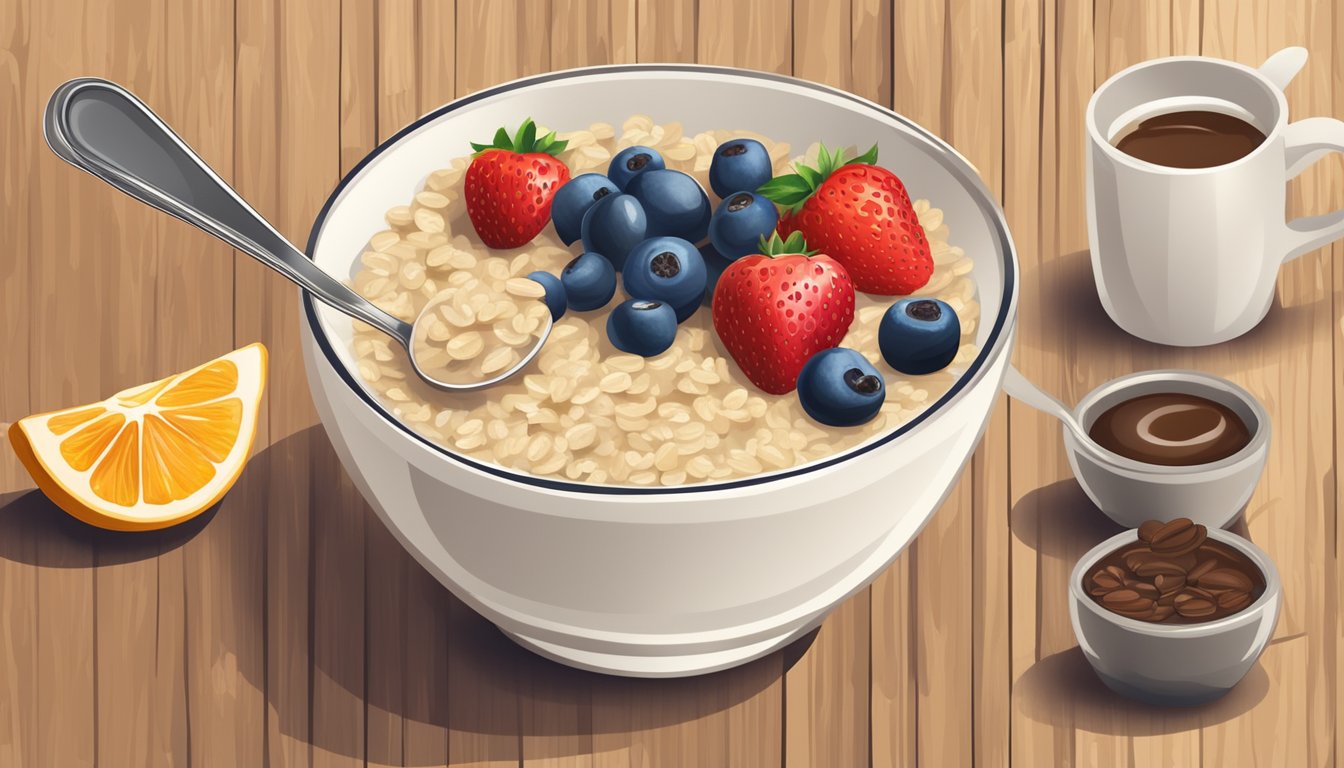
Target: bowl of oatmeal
647,516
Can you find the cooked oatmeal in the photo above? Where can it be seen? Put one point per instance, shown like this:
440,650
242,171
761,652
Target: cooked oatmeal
583,410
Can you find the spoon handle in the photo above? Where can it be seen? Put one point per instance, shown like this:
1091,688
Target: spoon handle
1019,387
102,128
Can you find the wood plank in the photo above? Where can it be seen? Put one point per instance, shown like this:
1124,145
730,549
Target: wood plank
19,98
1284,362
484,708
756,34
129,716
281,71
67,299
589,32
1030,193
666,30
499,40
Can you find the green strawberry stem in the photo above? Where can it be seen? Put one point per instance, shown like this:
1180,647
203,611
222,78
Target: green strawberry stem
523,141
791,190
795,244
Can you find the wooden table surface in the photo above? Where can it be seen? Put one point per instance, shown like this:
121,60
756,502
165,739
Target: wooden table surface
288,628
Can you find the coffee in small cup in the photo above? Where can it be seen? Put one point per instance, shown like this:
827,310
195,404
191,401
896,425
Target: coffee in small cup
1190,138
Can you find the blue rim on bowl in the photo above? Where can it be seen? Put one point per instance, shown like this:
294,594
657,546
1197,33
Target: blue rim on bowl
948,157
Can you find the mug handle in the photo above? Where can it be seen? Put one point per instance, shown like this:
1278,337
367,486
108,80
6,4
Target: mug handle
1283,66
1305,142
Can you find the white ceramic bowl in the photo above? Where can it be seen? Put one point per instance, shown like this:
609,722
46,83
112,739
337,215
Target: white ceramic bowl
1131,492
659,581
1178,664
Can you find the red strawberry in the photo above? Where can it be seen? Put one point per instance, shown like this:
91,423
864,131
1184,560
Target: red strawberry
510,185
776,309
861,215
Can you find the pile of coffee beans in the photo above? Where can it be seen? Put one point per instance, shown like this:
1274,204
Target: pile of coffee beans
1175,574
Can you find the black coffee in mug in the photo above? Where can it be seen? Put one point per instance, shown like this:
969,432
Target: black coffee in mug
1190,139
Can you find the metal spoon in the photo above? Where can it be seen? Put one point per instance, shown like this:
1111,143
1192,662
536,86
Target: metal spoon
102,128
1020,388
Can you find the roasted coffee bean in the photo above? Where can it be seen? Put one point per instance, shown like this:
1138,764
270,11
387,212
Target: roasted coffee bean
1167,584
1147,590
1106,580
1147,530
1179,537
1197,592
1174,573
1223,579
1159,567
1178,527
1194,607
1204,567
1234,600
1127,601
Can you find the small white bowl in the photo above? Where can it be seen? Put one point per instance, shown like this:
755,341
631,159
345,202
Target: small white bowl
1131,492
1177,664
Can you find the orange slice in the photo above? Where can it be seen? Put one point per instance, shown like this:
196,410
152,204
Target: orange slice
150,456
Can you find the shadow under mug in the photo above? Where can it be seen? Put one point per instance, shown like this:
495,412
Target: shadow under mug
1189,256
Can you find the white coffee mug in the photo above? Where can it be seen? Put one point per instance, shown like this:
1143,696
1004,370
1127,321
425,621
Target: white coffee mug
1189,256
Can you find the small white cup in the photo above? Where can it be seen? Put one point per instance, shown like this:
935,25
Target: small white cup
1173,664
1130,492
1189,257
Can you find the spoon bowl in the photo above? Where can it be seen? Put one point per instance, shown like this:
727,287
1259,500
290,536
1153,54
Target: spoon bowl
100,127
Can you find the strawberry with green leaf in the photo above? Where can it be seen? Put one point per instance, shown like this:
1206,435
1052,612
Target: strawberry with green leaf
510,184
776,309
859,214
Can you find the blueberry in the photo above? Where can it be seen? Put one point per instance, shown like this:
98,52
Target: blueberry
919,336
840,388
632,161
739,164
667,269
574,199
714,266
555,293
614,225
740,222
674,202
589,280
642,327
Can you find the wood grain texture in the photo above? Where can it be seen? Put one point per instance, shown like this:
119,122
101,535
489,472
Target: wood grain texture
286,627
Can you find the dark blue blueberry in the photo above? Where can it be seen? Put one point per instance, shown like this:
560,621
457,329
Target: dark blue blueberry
674,202
740,222
589,280
714,266
642,327
919,336
555,293
614,225
738,165
632,161
840,388
574,199
667,269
